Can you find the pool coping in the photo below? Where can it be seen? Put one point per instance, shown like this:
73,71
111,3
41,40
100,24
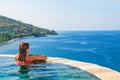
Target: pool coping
100,72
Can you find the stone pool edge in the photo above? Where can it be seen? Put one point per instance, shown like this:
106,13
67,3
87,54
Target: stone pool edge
102,73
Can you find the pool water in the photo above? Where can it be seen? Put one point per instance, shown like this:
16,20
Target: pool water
9,70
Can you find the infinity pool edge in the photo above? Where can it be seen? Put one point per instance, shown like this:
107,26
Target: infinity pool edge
103,73
100,72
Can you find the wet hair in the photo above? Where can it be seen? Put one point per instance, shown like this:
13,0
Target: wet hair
23,51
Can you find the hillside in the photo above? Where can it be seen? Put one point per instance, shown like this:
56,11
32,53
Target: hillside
10,29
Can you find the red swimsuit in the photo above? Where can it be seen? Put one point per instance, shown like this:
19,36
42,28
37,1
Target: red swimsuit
23,62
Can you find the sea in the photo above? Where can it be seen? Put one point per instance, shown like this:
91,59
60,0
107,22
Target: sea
98,47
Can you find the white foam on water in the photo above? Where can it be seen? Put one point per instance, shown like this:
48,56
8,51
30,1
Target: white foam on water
44,40
71,41
87,34
84,42
78,42
33,46
79,49
6,55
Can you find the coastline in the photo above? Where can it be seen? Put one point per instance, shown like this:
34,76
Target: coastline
13,40
10,41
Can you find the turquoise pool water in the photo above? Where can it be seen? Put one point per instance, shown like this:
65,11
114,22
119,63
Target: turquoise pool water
9,70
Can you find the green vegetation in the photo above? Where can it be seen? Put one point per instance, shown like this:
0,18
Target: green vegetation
10,29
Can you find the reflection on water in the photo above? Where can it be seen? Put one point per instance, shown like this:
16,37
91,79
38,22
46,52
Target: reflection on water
44,71
24,69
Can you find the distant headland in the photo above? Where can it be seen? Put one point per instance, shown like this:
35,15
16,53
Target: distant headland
11,29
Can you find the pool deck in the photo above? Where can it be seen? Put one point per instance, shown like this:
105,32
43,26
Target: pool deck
102,73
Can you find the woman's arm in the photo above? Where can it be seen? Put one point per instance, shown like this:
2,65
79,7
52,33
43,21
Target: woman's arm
36,57
16,56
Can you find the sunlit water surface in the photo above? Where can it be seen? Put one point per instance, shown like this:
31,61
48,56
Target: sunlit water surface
9,70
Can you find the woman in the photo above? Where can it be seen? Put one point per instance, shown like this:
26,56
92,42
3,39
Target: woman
23,59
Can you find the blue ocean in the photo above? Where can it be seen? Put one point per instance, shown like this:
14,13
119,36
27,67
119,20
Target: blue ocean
98,47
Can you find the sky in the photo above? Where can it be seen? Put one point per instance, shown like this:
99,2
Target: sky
65,14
